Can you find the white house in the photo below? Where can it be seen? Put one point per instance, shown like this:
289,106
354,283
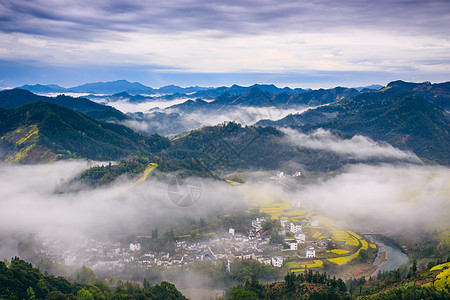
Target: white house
296,227
310,252
284,223
231,231
135,247
293,245
300,238
277,261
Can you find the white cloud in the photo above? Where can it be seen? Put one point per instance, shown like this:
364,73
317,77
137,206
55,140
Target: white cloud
358,146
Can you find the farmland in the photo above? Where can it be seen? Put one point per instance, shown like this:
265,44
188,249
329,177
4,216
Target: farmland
334,246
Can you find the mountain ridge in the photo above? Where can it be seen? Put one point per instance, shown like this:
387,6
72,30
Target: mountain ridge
17,97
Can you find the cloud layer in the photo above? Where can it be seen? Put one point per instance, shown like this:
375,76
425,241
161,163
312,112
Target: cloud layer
359,147
292,37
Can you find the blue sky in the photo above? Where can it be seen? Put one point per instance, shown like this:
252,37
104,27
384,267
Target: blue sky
210,43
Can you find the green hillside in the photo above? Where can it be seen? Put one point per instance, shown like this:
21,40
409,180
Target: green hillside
399,117
42,131
19,280
18,97
395,115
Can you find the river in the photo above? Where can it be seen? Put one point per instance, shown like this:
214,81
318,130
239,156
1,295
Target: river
395,257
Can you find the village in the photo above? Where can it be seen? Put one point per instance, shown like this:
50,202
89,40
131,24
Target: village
227,246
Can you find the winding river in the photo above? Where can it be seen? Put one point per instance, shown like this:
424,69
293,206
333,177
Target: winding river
395,257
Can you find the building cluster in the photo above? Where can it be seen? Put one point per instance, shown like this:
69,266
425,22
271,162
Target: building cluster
299,237
227,246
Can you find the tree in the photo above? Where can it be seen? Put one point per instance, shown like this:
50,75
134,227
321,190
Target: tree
84,295
30,293
155,233
241,294
85,275
146,284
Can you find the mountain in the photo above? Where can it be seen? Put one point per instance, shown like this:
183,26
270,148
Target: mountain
238,90
438,93
256,97
17,97
232,147
394,115
372,87
43,89
42,131
112,87
172,89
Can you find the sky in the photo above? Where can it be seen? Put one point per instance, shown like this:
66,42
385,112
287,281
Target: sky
316,43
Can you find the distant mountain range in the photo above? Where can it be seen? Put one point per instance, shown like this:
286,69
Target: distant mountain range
18,97
134,88
111,87
256,97
409,116
403,118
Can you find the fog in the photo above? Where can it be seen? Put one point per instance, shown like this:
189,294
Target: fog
126,106
383,199
382,196
32,202
358,146
175,121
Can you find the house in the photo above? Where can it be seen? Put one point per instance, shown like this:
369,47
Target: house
264,260
310,252
135,247
277,261
296,227
231,231
284,223
300,238
293,245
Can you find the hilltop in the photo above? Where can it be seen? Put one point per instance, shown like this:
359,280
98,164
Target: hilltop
18,97
400,117
42,131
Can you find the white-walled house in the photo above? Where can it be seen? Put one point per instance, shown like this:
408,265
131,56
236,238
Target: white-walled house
296,227
310,252
293,245
277,261
135,247
300,238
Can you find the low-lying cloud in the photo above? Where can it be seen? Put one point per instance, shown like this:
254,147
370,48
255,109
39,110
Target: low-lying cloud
358,146
32,202
175,121
383,199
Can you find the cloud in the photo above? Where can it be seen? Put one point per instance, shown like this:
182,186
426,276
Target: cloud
175,121
220,18
385,199
358,146
231,37
31,204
